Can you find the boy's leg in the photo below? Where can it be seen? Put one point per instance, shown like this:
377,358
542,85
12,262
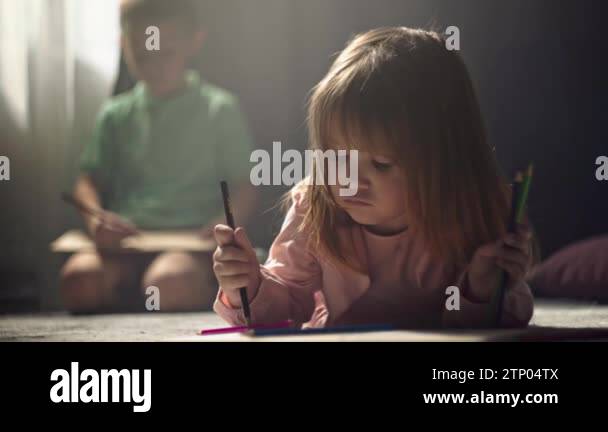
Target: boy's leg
185,281
89,282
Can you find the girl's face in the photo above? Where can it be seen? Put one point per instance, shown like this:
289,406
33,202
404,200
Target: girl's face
379,203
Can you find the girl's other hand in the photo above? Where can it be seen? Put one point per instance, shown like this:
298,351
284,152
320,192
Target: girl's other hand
513,254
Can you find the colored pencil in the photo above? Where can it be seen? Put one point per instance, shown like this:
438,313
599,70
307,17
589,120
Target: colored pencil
242,329
521,190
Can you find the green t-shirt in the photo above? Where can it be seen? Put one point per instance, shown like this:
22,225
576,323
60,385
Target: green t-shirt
159,163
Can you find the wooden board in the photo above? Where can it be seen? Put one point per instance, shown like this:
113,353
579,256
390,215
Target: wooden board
147,242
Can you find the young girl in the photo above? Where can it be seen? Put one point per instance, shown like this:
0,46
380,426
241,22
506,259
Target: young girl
430,211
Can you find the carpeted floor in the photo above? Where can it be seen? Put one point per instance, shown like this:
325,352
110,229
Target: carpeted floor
184,327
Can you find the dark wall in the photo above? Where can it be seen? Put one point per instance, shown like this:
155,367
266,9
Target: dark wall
539,67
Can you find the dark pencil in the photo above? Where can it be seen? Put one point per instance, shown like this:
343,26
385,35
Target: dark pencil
231,224
98,214
496,312
70,199
519,179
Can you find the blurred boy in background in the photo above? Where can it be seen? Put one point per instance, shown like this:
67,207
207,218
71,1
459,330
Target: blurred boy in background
155,161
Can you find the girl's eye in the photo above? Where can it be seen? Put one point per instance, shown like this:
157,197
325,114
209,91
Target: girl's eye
382,166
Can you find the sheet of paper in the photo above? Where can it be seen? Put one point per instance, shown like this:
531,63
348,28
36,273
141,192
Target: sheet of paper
383,336
529,334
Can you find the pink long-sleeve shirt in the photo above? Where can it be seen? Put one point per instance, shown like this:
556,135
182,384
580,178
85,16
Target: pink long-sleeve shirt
403,285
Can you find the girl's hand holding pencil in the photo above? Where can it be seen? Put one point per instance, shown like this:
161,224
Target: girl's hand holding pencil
512,254
235,264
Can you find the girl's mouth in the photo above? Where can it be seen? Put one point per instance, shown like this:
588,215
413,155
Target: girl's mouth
356,201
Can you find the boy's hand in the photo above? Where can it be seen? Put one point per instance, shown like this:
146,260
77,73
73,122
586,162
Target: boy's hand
109,229
235,264
511,254
208,231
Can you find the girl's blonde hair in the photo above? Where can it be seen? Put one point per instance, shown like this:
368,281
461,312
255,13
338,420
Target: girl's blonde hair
401,92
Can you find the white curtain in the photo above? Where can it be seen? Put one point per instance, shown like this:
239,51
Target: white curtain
58,61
